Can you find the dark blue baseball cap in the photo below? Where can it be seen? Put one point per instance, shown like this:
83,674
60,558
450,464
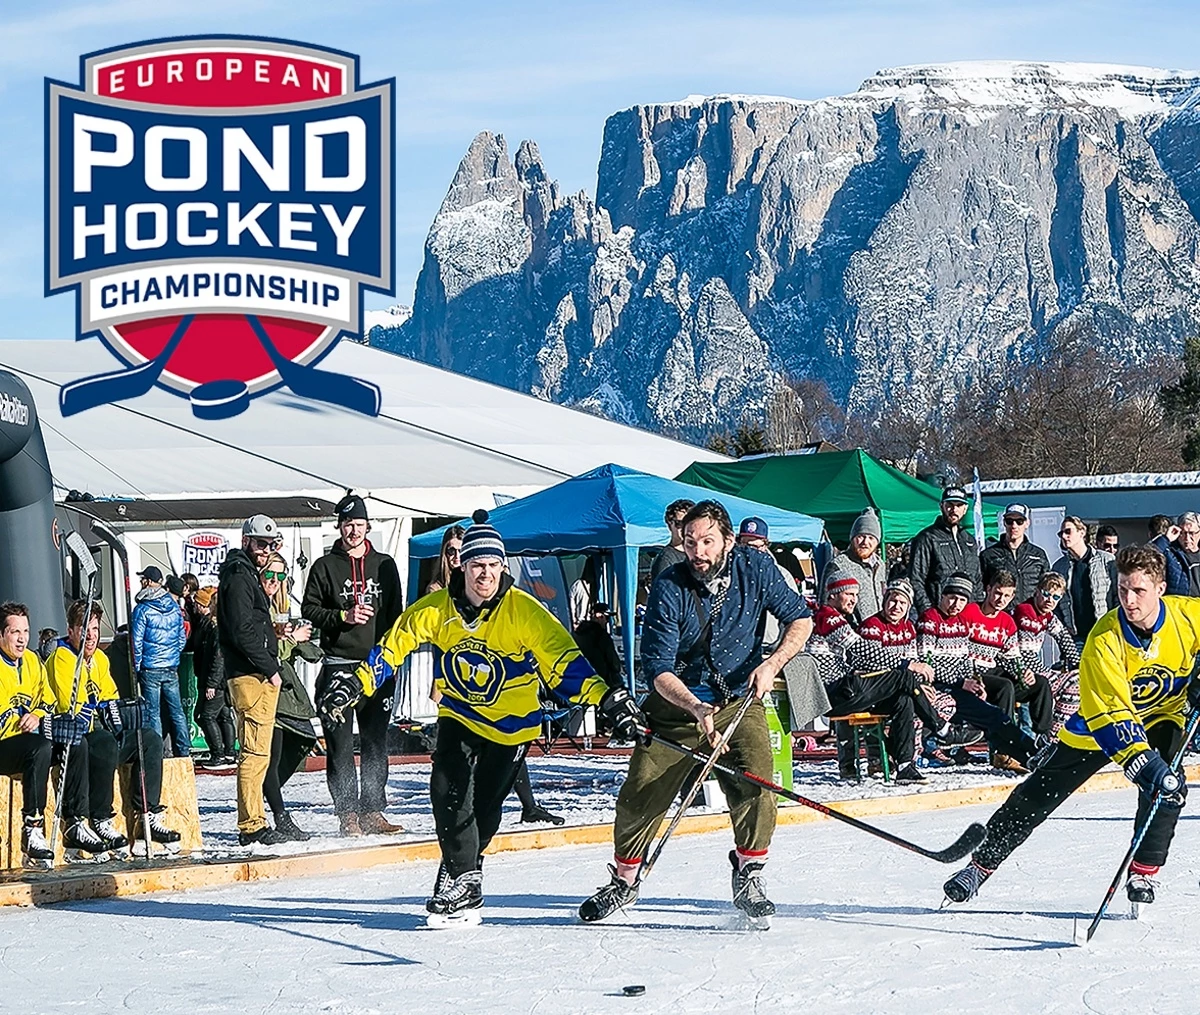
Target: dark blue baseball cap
752,528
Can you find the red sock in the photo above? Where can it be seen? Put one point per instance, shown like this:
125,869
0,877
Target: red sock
745,856
627,869
1146,870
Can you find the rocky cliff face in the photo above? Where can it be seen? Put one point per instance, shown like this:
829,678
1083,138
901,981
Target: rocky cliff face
895,242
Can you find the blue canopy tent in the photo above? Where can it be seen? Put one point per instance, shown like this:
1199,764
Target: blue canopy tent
614,510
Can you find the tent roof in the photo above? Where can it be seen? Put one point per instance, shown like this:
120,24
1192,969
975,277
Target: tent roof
443,443
610,507
835,486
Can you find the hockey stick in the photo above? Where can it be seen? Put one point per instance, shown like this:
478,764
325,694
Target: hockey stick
323,385
118,548
708,765
966,843
1140,833
87,564
88,392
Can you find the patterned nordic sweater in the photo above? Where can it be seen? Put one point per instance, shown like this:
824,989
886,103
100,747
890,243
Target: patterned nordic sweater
834,644
885,645
943,642
992,641
1032,629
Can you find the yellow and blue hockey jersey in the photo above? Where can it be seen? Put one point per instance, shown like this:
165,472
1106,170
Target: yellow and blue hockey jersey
488,671
24,688
95,679
1127,683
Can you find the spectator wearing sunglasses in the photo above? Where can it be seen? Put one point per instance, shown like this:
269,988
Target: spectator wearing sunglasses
353,595
448,559
246,634
1016,554
1091,576
1036,620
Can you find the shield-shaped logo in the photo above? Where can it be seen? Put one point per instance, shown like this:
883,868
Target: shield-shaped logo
218,205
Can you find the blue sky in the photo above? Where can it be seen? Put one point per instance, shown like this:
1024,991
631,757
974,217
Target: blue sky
547,71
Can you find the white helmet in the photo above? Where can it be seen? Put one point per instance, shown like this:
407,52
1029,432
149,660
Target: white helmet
260,526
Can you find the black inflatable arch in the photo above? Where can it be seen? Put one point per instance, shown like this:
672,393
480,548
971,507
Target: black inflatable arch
30,562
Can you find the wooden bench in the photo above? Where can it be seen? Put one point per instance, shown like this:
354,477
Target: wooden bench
178,793
870,725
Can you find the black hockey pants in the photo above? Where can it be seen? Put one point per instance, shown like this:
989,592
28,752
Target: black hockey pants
1064,771
470,779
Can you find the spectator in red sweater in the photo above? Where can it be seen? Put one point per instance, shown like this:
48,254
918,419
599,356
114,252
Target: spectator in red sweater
944,642
996,656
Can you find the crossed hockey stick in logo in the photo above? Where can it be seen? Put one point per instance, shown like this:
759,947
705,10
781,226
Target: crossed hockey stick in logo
224,398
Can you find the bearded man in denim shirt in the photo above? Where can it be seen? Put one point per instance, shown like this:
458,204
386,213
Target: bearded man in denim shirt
702,652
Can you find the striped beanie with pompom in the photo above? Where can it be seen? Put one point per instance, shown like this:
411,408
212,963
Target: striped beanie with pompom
480,540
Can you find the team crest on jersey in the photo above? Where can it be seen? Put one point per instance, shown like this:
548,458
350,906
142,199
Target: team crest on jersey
219,205
474,672
1155,683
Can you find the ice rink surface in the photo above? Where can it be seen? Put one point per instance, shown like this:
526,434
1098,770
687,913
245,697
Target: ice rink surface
858,931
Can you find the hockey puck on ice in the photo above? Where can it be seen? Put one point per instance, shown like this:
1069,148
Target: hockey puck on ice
634,990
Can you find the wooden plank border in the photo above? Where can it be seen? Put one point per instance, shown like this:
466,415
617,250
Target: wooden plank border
75,884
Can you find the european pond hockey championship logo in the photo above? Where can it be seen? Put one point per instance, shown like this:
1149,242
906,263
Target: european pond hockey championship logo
218,204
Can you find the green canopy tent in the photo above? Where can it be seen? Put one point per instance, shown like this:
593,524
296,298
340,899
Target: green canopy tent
836,486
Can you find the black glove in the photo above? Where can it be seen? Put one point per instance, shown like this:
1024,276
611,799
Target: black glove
338,697
1193,693
109,714
1151,775
619,708
133,715
66,729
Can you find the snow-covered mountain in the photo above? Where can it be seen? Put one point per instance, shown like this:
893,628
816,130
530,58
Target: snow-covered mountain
894,242
395,316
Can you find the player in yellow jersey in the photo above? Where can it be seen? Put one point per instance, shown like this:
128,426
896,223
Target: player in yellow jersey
111,741
493,645
29,731
1133,702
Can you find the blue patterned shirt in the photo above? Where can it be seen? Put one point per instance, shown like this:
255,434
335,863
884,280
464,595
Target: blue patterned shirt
679,606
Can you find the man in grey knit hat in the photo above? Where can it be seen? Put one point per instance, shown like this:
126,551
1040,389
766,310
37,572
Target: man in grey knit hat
862,560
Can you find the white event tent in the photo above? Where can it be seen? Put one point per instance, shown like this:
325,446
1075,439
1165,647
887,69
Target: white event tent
443,445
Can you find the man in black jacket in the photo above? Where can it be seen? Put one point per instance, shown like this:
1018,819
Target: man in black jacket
943,549
598,648
251,651
1025,561
353,595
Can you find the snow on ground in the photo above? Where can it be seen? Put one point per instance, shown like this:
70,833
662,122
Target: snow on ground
858,931
582,788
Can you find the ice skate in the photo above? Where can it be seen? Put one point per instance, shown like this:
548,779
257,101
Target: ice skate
108,831
617,894
459,904
35,850
82,845
749,895
161,835
964,885
1139,889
